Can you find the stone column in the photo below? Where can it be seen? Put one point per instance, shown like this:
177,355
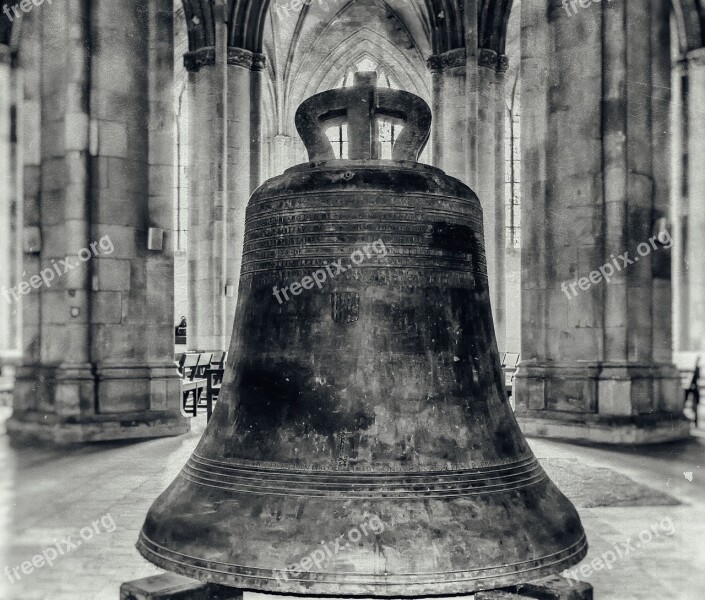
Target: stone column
465,146
101,365
8,304
244,90
30,132
596,359
206,287
489,130
282,154
257,66
224,169
679,205
437,134
451,117
695,250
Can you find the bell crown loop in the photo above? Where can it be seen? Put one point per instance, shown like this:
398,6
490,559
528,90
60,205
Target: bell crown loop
360,107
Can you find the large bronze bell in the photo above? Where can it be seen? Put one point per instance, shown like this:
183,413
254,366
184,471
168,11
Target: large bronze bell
363,444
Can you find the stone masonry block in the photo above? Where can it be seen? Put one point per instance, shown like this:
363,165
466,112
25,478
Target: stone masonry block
117,396
64,343
115,343
55,308
123,238
112,139
615,397
111,275
76,132
107,307
118,207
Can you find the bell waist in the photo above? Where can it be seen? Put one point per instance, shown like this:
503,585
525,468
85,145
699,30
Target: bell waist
369,483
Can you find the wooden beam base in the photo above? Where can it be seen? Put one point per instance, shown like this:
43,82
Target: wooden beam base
169,586
548,588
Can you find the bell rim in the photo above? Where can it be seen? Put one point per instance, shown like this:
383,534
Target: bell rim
344,585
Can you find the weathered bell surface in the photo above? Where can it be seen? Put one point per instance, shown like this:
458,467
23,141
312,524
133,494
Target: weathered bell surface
363,443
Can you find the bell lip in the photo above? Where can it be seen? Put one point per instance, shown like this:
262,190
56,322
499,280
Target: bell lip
375,586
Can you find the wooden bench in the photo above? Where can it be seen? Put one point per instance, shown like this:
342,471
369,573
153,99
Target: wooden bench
690,384
194,382
202,375
214,377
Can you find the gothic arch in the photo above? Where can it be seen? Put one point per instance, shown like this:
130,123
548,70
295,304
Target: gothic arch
200,23
364,42
443,18
690,21
492,18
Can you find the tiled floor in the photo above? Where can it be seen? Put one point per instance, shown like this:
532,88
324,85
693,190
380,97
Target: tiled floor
47,495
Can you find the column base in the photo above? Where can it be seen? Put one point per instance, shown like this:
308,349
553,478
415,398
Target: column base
36,427
604,429
601,402
169,586
71,404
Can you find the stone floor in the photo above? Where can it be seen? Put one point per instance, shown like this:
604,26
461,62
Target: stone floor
46,495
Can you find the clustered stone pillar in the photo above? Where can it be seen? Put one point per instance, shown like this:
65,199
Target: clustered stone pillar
99,326
596,356
679,204
225,170
468,111
694,327
282,154
451,117
8,332
490,184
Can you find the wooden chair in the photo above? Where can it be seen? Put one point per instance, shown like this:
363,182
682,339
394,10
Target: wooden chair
509,366
691,388
204,363
192,384
214,377
219,359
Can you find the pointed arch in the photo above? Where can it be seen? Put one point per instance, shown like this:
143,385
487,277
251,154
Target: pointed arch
200,23
443,18
363,43
493,17
690,21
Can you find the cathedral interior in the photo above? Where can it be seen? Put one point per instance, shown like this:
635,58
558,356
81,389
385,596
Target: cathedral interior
132,136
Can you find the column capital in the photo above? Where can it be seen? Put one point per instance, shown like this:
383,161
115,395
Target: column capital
448,60
696,57
203,57
238,57
489,59
680,65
